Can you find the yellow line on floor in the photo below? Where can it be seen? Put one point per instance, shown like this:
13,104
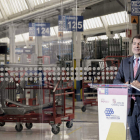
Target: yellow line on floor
74,130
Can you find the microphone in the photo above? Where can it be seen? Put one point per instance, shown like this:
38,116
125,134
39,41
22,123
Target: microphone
129,73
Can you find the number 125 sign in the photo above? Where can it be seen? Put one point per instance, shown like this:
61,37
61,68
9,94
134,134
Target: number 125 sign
39,29
69,23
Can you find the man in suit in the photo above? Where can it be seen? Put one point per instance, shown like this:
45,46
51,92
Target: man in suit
129,73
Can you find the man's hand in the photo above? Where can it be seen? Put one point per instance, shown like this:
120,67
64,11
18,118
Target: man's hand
126,82
136,84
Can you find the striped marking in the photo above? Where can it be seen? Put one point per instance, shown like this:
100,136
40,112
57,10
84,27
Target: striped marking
74,131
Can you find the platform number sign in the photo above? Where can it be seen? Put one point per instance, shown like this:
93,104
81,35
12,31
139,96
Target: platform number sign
70,23
135,7
39,29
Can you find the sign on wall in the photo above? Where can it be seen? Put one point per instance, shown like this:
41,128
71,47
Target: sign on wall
18,51
39,29
27,50
135,7
134,19
70,23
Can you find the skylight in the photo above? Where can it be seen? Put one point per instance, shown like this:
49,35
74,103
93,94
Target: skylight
117,18
13,6
38,2
92,23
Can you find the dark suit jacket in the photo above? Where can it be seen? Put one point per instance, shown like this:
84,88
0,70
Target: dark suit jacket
125,73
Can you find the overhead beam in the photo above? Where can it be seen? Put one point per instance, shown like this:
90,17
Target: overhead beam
121,4
106,26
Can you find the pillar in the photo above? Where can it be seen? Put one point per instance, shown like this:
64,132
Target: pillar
12,43
77,38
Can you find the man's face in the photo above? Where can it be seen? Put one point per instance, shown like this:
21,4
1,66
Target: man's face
136,46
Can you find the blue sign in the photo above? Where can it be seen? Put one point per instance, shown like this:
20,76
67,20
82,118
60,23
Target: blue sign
18,51
135,7
39,29
70,23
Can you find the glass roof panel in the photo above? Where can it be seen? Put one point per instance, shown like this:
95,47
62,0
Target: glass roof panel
123,16
37,2
5,6
85,25
56,29
52,33
117,18
92,38
42,1
116,36
25,5
91,25
13,6
123,34
96,22
20,6
113,19
88,24
4,40
19,38
110,18
16,5
120,16
99,22
107,19
103,37
1,17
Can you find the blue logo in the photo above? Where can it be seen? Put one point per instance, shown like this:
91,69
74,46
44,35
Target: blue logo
106,91
108,111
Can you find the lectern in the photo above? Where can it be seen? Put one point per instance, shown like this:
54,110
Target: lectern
113,106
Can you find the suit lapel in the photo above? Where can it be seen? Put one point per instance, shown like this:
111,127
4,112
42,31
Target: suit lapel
138,72
131,68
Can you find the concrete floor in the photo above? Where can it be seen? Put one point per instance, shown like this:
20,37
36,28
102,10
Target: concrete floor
85,127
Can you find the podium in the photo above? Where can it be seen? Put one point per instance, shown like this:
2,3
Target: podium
113,106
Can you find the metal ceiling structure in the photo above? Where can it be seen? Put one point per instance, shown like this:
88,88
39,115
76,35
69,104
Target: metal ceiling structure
96,12
114,21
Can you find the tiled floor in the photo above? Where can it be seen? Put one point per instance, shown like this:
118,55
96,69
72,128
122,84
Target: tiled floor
85,127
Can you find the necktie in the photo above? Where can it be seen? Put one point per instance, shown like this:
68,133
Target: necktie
135,71
136,67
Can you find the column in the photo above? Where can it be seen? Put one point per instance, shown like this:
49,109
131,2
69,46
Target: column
77,38
38,44
12,43
131,26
